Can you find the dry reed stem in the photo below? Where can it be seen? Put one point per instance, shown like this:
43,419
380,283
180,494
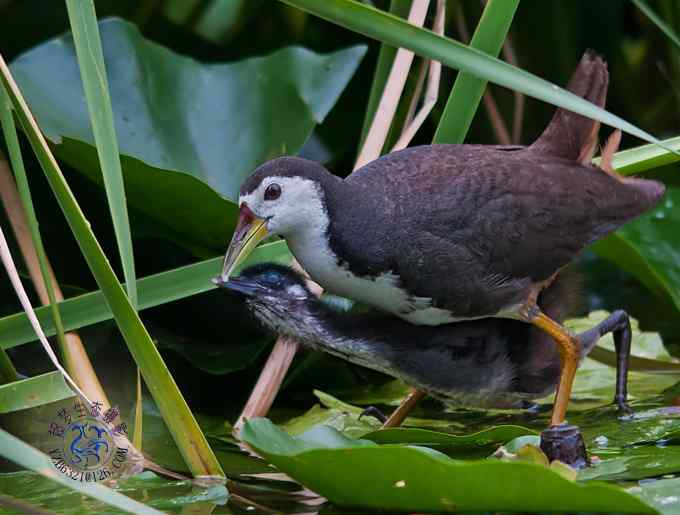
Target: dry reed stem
497,123
432,90
423,67
396,80
76,359
518,109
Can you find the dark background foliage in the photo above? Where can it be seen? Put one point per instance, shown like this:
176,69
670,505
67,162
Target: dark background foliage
549,38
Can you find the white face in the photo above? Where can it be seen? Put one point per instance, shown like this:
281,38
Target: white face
297,208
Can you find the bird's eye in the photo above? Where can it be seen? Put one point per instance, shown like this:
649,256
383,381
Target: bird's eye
272,192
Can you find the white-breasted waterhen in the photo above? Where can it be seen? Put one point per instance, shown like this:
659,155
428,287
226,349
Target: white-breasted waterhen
443,233
484,363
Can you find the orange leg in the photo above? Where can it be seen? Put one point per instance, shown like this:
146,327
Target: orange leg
399,414
569,349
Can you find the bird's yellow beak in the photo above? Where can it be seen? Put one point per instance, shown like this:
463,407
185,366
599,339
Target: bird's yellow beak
250,230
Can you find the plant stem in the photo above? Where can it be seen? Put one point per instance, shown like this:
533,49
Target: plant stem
468,89
387,107
27,234
179,419
384,27
8,374
382,69
85,30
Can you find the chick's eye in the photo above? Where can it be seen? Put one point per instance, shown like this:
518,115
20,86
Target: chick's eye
272,278
272,192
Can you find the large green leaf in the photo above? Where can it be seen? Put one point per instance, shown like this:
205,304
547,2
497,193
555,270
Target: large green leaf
649,247
416,436
159,446
361,473
633,463
188,132
662,494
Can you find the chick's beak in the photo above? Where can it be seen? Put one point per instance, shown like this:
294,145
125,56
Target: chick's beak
241,285
250,230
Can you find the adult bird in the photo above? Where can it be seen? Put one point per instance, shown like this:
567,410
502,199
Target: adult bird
483,363
444,233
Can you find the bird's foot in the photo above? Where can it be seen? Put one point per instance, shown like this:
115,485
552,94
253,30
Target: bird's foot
623,408
531,408
565,443
374,412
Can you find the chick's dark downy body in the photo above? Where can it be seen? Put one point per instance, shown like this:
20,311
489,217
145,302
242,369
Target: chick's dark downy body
492,362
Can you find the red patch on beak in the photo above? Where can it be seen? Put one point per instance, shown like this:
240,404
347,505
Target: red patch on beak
245,218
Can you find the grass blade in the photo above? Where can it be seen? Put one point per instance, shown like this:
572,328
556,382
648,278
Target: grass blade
382,70
179,419
28,457
85,30
33,391
645,157
656,20
22,217
394,31
91,308
88,46
467,91
8,263
8,373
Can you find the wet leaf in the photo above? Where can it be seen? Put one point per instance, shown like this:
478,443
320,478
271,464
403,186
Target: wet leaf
390,393
648,249
345,422
563,470
516,444
20,453
154,492
359,473
188,132
633,463
663,494
159,446
336,404
435,439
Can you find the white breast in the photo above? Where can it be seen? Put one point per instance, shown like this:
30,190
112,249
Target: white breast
316,257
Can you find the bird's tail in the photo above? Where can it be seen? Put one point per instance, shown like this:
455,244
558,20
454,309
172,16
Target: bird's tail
570,135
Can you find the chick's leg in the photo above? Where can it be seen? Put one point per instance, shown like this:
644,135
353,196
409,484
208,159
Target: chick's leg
399,414
618,323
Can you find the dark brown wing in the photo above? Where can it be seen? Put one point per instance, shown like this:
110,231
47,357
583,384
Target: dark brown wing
473,228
